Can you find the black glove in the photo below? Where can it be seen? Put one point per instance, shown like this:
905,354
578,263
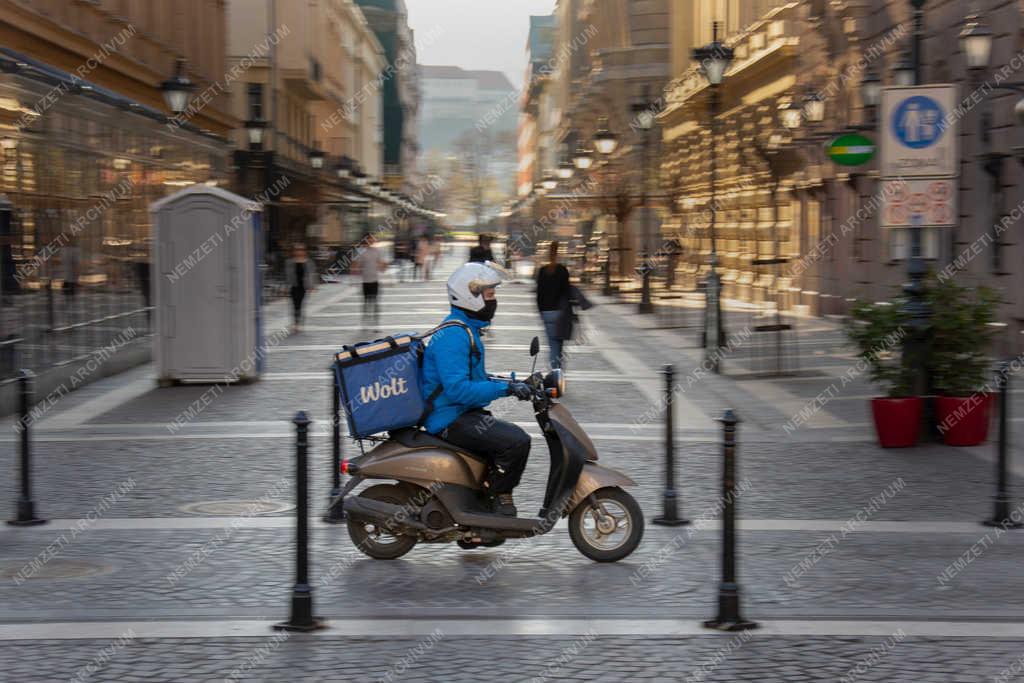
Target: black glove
520,390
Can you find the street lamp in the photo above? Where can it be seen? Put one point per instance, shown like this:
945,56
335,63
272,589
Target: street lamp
604,140
344,167
566,170
583,159
644,117
814,108
316,158
644,113
908,72
976,43
714,60
255,129
871,88
790,115
905,73
177,88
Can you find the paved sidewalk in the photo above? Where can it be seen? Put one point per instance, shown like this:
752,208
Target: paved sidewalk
436,657
841,544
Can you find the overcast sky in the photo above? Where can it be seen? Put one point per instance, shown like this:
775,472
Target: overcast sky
475,34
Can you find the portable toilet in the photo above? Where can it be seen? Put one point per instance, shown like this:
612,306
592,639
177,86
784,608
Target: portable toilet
207,286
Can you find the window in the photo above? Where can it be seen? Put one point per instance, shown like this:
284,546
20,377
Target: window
899,240
254,93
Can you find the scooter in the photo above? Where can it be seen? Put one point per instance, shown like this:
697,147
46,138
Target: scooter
439,496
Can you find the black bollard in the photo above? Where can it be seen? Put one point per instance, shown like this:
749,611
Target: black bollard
26,506
671,498
335,514
729,618
1001,518
302,618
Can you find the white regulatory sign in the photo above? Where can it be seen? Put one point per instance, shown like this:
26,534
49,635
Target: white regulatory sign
919,128
931,202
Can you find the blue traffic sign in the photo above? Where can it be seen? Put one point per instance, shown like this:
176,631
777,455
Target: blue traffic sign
918,122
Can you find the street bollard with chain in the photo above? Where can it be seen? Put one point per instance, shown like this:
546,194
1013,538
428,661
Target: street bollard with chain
1002,517
302,618
671,498
729,618
26,515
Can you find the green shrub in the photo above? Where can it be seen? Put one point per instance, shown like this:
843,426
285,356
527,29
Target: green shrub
879,331
960,335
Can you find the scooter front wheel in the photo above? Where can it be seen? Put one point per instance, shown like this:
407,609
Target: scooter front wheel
607,525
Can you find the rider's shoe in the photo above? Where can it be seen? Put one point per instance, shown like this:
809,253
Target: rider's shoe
503,504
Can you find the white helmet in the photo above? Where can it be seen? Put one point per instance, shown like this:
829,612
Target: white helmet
468,282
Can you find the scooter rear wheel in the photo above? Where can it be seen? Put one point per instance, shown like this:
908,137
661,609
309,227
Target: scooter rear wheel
607,525
376,540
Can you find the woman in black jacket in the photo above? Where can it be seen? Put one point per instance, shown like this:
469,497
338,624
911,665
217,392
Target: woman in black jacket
301,274
553,302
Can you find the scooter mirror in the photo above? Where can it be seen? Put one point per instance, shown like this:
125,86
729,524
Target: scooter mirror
535,346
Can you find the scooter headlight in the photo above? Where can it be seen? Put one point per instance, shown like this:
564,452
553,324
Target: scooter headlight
555,380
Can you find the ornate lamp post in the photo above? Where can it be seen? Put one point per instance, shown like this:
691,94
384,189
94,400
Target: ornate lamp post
255,129
583,159
714,59
606,142
643,112
814,108
177,88
316,158
871,89
566,169
909,69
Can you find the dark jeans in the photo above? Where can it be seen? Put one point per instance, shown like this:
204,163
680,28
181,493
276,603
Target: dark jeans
371,304
552,323
298,294
503,444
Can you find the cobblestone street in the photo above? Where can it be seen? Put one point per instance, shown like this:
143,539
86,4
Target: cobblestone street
835,592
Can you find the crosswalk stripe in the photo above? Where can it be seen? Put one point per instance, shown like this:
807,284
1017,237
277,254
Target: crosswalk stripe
454,626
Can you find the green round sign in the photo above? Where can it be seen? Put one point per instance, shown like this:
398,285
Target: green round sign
851,149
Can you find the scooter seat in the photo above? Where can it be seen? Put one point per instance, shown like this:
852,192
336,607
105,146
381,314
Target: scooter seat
411,437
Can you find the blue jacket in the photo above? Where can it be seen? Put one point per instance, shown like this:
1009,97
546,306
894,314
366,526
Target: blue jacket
447,363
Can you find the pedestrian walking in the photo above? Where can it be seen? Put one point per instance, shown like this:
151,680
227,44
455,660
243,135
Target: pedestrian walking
553,291
423,257
301,277
435,252
401,253
368,264
71,260
482,251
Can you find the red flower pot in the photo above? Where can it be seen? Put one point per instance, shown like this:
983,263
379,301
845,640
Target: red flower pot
897,421
963,420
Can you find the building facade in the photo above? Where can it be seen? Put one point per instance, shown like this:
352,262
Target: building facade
88,143
309,73
778,196
536,130
457,101
607,57
400,91
468,124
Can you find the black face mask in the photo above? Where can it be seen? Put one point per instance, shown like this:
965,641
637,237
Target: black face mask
486,313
